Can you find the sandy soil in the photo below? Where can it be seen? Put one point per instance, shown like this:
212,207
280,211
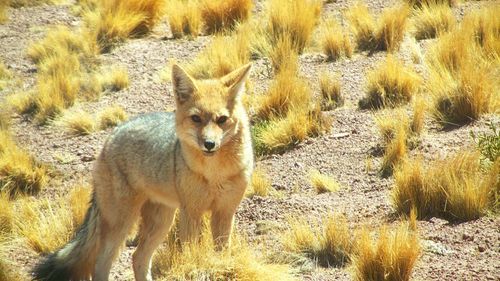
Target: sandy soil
466,251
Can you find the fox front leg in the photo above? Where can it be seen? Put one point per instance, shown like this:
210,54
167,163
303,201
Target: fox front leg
189,227
222,224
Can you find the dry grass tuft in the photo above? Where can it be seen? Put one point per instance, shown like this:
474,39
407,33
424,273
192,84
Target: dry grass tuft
260,184
455,188
223,55
114,20
19,172
280,134
432,20
220,15
6,215
283,56
330,245
295,20
333,41
203,262
323,183
77,122
390,84
394,153
420,3
114,79
47,225
330,91
418,118
391,257
464,67
384,34
184,18
111,117
4,5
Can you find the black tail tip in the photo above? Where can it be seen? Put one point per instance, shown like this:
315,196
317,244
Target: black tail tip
49,270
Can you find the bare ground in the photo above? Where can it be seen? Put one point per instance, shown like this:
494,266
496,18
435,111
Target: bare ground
466,251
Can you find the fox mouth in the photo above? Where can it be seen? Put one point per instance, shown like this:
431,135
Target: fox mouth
209,153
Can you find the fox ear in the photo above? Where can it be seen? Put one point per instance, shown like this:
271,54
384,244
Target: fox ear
183,84
235,80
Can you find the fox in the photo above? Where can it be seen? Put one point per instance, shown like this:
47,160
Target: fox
197,159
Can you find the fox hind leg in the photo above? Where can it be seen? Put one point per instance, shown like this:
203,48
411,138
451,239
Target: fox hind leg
156,222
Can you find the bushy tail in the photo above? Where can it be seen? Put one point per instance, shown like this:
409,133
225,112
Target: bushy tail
76,260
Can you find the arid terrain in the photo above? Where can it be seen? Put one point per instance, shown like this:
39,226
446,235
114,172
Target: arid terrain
349,152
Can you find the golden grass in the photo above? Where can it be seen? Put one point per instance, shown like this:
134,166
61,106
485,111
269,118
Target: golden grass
77,122
260,184
19,172
391,257
331,96
203,262
114,79
287,91
464,66
220,15
280,134
323,183
418,117
184,18
295,20
330,244
397,135
283,56
46,225
114,20
385,34
112,116
223,55
4,5
6,215
420,3
454,188
390,84
432,20
22,102
333,41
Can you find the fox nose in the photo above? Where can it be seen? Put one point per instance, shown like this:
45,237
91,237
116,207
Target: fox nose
209,145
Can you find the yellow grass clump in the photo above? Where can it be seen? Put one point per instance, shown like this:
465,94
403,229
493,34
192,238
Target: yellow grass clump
260,184
283,56
455,188
390,84
4,5
418,117
391,257
420,3
184,18
220,15
223,55
329,245
331,96
115,20
19,172
202,262
394,152
295,20
114,79
46,225
111,117
432,20
6,215
333,41
77,122
323,183
384,34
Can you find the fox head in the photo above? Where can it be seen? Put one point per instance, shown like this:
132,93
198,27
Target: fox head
209,112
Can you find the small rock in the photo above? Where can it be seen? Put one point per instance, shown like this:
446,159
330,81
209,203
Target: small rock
340,135
481,248
88,158
435,247
467,237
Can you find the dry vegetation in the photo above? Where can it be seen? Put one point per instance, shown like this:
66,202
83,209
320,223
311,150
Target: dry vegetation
390,257
462,64
464,67
432,20
389,85
384,34
455,188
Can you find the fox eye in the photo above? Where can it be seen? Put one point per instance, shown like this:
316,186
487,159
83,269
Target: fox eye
196,118
221,120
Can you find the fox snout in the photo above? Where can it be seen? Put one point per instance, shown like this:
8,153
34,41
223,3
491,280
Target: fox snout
210,138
